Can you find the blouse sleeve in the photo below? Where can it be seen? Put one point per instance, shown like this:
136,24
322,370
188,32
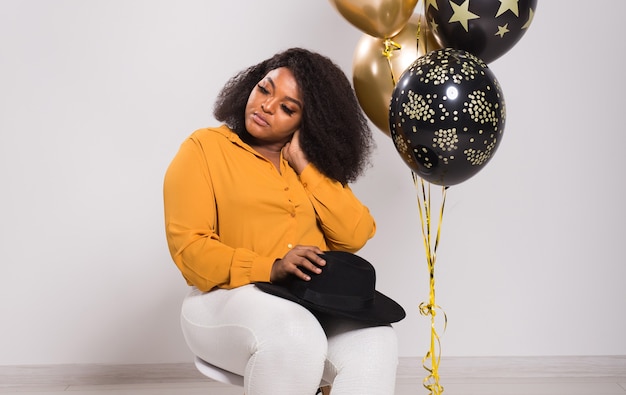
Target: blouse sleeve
347,223
190,224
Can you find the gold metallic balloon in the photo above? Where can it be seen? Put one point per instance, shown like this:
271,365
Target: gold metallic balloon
374,74
378,18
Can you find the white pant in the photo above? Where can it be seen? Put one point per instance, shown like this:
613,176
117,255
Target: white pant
282,349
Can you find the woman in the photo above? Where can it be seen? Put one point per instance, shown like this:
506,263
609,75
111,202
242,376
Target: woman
258,199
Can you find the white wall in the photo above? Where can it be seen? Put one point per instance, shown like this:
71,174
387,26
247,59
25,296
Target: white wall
96,96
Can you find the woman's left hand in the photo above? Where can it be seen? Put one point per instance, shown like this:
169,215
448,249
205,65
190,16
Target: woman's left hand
294,154
295,260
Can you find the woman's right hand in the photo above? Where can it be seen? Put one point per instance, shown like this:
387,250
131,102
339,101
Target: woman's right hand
292,151
299,257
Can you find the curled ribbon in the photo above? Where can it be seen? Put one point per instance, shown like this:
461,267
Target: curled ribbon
390,46
432,358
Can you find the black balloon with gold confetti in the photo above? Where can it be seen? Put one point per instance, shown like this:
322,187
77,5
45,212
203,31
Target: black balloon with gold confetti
447,116
486,28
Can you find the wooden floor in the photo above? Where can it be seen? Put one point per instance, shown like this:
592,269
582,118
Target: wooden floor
603,375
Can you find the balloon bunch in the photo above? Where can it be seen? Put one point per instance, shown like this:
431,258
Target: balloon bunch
399,34
420,74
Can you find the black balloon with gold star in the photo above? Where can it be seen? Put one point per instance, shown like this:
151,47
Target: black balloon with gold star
447,116
486,28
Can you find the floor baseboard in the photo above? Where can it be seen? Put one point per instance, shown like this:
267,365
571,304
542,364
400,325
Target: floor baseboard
521,367
453,368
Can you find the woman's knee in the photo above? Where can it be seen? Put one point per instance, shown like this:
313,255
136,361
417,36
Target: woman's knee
353,346
292,346
295,332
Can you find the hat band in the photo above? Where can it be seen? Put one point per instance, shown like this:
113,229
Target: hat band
334,301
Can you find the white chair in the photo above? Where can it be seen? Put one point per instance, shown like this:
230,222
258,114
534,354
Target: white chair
224,376
217,374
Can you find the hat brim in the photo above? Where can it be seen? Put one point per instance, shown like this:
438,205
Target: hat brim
383,310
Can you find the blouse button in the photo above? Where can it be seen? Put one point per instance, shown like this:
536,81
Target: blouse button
289,245
286,188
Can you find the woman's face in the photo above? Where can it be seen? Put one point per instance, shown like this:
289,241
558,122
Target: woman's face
274,108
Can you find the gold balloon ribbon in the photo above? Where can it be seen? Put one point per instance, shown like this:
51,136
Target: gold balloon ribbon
433,356
418,34
390,46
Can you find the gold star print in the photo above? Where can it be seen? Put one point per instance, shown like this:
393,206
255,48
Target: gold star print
506,5
462,14
502,30
434,27
433,3
531,15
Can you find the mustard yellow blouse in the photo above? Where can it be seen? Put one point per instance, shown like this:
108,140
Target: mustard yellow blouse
229,213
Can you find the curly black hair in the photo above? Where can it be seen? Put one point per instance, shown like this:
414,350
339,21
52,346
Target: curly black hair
334,132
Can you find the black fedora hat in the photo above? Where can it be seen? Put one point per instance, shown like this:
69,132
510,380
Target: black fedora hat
345,287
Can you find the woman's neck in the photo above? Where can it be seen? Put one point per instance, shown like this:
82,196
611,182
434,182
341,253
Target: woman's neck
270,153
